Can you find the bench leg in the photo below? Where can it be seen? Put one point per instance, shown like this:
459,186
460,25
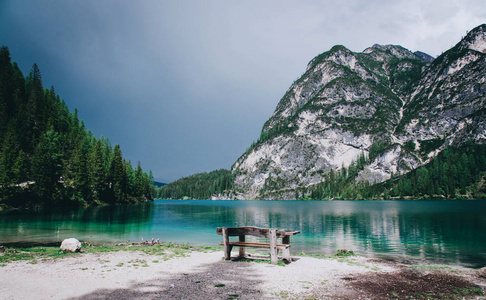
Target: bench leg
227,252
286,254
242,249
226,244
273,246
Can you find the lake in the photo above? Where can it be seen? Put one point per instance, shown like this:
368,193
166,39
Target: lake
452,232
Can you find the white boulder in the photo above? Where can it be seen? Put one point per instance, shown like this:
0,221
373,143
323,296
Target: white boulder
71,245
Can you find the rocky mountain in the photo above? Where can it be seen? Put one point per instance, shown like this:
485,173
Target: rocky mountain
387,108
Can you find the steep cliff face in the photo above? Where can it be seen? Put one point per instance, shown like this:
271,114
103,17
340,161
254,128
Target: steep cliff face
389,105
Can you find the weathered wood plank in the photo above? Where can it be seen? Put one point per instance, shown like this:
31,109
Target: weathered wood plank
242,249
226,244
254,231
273,246
291,232
255,245
286,254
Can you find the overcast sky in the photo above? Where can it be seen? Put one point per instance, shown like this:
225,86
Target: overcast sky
185,86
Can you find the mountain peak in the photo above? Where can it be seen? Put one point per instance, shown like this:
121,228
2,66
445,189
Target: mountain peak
395,50
476,39
424,57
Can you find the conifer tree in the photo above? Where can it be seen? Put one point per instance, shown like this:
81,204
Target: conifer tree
97,172
81,173
118,176
47,167
139,182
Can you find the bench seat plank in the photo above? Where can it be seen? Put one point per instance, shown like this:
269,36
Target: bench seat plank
255,245
254,231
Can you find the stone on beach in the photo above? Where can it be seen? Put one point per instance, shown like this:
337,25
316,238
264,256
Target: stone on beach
71,245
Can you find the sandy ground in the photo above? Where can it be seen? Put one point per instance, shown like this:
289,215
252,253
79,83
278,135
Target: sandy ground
135,275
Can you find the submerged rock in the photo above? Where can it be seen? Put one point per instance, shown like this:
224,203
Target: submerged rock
71,245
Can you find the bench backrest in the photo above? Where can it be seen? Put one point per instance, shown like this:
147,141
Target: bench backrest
255,231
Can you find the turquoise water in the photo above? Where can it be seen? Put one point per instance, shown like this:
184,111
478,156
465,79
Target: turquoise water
436,231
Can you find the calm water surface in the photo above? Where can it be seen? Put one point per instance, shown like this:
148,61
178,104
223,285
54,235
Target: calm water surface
451,232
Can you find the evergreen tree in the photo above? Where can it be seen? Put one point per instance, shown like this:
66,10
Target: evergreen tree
82,183
97,172
118,176
139,182
47,167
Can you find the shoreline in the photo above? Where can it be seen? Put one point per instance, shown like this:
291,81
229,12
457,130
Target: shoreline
183,271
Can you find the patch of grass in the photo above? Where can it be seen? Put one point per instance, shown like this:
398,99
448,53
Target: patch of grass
284,295
88,248
32,253
219,285
356,264
320,256
344,253
167,250
119,265
470,291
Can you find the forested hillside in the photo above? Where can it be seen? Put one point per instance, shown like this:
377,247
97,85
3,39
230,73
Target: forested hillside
456,173
199,186
47,157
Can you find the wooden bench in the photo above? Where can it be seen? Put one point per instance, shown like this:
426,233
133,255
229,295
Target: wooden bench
272,234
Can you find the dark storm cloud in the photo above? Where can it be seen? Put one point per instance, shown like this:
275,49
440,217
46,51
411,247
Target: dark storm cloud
185,86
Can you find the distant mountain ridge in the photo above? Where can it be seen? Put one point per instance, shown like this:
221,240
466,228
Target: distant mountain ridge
386,122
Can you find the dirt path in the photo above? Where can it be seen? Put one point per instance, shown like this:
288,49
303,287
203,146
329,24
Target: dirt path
135,275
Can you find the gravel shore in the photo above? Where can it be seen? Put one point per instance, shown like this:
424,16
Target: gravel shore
200,275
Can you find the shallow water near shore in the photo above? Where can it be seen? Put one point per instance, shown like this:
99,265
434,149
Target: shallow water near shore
449,232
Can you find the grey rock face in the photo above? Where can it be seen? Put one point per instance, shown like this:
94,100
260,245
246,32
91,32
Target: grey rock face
71,245
346,102
424,57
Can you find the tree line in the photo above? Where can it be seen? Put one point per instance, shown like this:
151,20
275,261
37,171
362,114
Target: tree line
47,157
456,173
198,186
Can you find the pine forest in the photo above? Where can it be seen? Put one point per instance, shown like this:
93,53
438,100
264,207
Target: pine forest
48,158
